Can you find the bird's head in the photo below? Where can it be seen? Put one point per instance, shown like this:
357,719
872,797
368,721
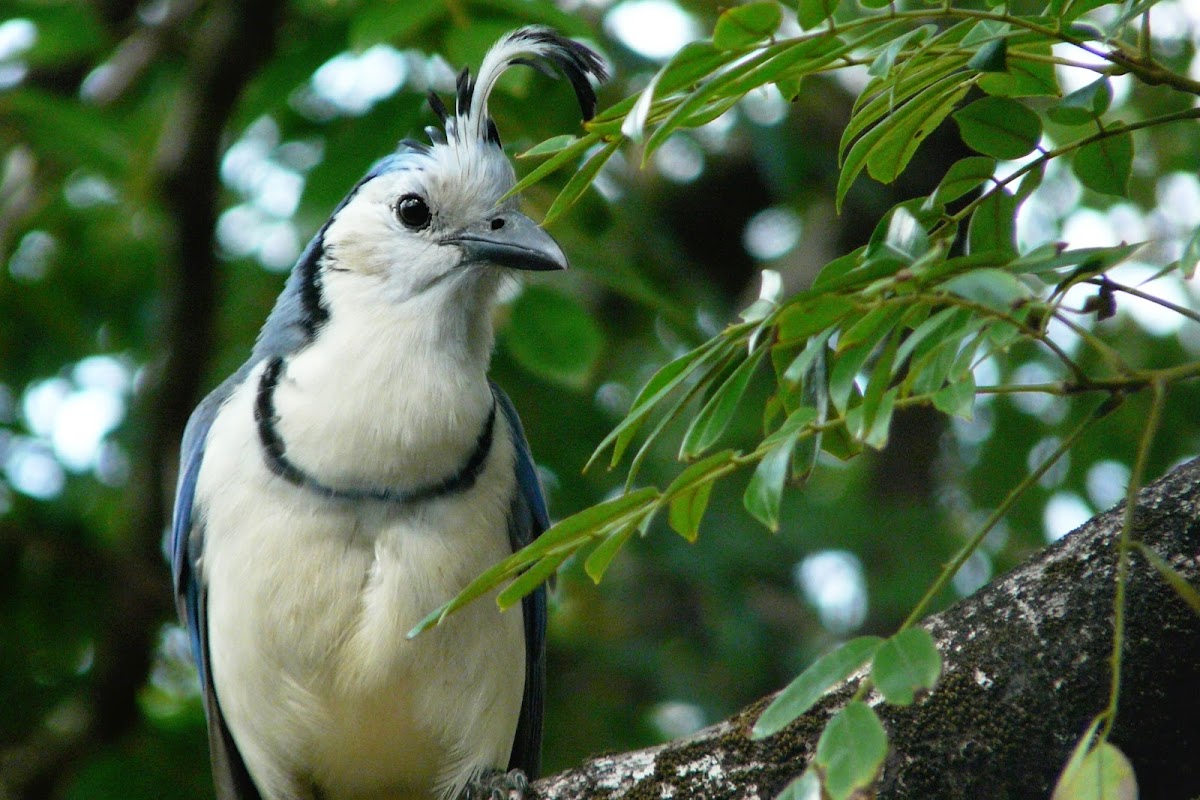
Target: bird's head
430,223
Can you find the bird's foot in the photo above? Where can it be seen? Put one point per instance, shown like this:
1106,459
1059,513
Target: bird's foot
498,785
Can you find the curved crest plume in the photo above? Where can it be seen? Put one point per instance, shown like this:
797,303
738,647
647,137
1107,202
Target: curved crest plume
534,46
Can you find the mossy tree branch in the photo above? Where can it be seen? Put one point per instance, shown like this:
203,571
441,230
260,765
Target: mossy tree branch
1026,670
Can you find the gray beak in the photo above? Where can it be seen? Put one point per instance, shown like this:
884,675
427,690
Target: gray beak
509,239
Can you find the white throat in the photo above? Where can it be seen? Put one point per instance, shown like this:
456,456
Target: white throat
394,395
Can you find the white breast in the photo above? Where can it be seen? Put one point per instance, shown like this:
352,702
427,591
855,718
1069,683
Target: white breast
309,601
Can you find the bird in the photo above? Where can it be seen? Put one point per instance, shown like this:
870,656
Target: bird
359,469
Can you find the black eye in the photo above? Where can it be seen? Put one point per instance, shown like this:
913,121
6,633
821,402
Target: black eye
413,211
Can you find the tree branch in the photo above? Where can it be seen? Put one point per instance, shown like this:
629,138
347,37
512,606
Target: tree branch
1026,669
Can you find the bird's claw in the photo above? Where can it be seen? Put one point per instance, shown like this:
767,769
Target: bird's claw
498,785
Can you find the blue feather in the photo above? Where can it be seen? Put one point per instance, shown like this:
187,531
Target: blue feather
528,520
230,775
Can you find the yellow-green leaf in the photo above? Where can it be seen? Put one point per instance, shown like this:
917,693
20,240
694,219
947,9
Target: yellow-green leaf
742,26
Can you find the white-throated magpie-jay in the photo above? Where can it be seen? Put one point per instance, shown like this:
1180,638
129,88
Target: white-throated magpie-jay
358,470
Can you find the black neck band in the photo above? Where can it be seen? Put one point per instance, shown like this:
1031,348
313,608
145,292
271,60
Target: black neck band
275,453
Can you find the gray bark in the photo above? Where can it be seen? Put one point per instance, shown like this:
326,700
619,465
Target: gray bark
1027,666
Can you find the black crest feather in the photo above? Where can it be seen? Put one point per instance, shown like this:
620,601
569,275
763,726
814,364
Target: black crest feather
541,48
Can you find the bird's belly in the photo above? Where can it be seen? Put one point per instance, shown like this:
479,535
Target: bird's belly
308,616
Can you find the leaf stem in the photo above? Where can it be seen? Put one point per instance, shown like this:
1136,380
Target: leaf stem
1050,155
1124,543
972,544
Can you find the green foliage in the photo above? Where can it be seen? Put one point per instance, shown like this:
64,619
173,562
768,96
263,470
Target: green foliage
851,751
939,304
554,337
802,693
1097,770
907,319
906,664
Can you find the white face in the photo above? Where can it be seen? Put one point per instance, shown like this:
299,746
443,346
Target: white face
389,242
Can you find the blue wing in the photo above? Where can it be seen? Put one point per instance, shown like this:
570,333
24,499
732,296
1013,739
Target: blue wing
230,776
527,520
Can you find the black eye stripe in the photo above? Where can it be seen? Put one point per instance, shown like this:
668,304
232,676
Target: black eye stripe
413,212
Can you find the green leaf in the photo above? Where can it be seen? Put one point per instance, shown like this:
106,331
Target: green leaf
742,26
798,370
66,33
1051,258
687,510
896,149
662,383
806,787
899,133
949,319
764,492
886,59
838,442
1029,182
787,58
1083,105
672,413
877,384
690,490
835,270
999,127
1105,164
554,337
873,325
722,85
851,751
1030,73
809,316
563,538
710,112
716,414
802,693
1191,256
957,399
590,521
930,368
599,559
811,13
905,664
554,163
992,57
877,433
993,288
552,145
789,86
581,180
1186,591
795,424
396,23
893,92
964,176
846,367
74,133
992,228
529,580
904,237
986,30
1104,773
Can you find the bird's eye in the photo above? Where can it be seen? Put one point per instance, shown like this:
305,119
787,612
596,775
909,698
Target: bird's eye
414,212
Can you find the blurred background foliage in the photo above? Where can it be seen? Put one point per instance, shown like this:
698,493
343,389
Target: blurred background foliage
97,235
